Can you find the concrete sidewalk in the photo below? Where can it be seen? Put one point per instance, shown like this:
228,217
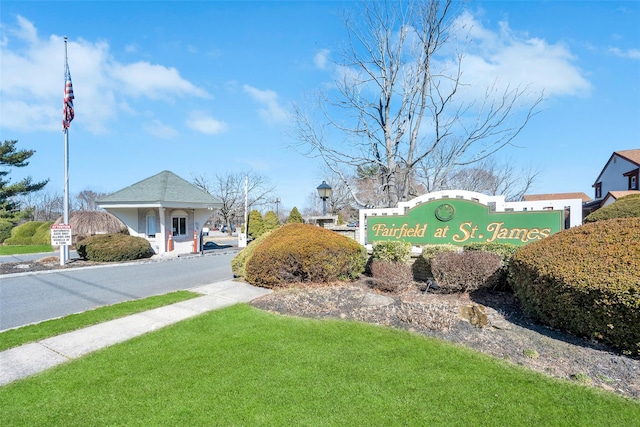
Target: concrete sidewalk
29,359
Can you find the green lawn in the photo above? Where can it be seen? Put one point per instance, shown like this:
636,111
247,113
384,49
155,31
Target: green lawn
244,367
50,328
24,249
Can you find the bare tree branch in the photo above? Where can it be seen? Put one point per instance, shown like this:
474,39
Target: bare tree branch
397,105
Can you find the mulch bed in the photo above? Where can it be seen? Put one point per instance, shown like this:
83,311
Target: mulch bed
489,322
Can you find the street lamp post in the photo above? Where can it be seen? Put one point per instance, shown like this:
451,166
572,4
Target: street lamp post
324,191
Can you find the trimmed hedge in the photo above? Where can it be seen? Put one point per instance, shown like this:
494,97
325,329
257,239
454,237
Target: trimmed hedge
466,271
505,251
624,207
114,247
30,233
239,261
585,280
296,253
5,229
422,264
392,251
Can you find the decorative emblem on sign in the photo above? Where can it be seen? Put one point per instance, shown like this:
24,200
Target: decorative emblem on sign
445,212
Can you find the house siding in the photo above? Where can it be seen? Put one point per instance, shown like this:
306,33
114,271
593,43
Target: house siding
612,177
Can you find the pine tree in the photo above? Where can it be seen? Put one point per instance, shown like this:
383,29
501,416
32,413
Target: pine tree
294,216
10,157
270,222
255,224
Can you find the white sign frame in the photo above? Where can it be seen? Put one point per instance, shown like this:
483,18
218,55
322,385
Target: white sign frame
61,235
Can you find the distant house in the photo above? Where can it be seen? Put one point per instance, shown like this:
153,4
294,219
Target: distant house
619,177
161,205
561,196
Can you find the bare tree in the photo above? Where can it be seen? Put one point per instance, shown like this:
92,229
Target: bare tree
87,200
490,178
230,189
398,102
43,205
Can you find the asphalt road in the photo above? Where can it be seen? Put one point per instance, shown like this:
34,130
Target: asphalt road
33,298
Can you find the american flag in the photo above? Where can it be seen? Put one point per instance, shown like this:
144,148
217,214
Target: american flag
67,108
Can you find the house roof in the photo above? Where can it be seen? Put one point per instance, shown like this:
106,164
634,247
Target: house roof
556,196
165,189
617,194
632,156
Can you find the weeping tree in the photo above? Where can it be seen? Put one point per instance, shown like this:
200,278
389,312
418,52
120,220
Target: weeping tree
398,108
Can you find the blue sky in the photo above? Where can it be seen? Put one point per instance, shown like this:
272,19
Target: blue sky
201,88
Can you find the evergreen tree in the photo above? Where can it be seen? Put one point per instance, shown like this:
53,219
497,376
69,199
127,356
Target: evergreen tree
10,157
270,222
294,216
255,224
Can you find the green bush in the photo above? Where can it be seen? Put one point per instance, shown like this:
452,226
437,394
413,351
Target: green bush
465,271
392,251
270,222
624,207
255,224
114,247
504,250
239,261
295,216
5,229
299,253
585,280
30,233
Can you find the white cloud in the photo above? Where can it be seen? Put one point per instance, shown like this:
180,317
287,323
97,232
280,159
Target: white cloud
153,81
321,59
204,123
272,112
513,60
160,130
32,83
629,54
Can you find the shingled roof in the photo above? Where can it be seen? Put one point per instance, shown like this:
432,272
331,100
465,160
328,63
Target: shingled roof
165,189
556,196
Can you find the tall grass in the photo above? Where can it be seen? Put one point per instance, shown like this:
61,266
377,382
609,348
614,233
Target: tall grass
244,367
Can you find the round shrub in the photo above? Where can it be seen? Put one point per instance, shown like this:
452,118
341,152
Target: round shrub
297,253
392,251
239,261
30,233
585,280
114,247
624,207
390,276
504,250
465,271
5,229
422,264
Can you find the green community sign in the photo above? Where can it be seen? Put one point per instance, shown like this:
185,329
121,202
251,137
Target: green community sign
459,222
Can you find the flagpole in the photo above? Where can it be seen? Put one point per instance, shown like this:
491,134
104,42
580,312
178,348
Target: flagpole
64,249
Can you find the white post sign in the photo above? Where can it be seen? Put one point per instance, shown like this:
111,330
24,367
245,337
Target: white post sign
61,235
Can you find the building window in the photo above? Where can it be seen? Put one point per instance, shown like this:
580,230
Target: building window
179,225
633,182
151,225
598,188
